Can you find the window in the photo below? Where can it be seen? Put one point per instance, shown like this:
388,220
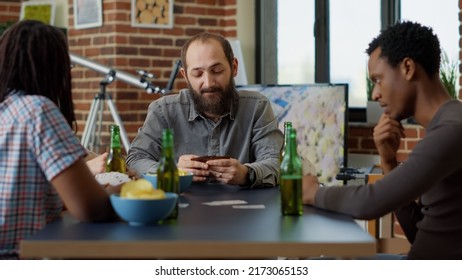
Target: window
442,16
295,52
353,24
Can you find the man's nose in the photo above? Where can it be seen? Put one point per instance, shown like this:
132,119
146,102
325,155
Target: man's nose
208,80
375,93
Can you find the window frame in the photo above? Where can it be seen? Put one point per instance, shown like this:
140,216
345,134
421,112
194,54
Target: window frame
266,42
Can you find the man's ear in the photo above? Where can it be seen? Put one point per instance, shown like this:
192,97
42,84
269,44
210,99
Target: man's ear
235,64
408,68
183,72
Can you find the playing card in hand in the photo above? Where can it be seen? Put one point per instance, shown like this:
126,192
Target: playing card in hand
112,178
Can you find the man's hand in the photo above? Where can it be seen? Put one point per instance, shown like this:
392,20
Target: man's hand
228,171
197,168
310,185
387,137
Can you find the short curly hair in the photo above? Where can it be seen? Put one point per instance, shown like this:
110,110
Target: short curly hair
409,39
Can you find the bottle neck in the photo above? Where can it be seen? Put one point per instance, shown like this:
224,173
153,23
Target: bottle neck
115,139
167,145
287,129
167,152
292,145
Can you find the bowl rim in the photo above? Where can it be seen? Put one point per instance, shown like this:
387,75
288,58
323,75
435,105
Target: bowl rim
155,174
168,195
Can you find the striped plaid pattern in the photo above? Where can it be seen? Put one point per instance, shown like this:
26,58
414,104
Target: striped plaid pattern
36,144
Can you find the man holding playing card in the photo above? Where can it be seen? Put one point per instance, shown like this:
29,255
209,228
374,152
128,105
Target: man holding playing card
211,118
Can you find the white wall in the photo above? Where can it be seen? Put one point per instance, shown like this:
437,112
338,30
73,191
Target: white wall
62,13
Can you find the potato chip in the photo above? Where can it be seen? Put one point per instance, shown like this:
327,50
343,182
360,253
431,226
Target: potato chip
182,172
140,189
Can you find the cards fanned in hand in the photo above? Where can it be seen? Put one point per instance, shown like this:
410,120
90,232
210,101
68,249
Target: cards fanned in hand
206,158
112,178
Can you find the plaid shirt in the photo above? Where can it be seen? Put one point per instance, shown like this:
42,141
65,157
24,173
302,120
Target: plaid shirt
36,144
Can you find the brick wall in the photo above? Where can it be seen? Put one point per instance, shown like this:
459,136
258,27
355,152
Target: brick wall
118,45
9,10
360,139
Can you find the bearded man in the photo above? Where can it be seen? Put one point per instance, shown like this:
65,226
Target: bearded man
211,118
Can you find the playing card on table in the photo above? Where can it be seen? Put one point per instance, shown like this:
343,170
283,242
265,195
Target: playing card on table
225,202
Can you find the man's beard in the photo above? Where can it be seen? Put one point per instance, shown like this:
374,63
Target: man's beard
218,104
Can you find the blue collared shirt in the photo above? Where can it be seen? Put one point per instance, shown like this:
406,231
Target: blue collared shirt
248,133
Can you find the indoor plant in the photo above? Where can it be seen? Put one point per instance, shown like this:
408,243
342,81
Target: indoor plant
449,74
373,110
5,25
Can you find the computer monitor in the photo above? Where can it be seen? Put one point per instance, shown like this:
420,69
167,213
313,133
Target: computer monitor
319,113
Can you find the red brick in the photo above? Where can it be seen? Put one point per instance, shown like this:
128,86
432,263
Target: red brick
411,132
421,133
207,21
120,40
215,12
139,41
193,31
410,145
367,144
172,53
207,2
174,31
150,52
126,51
360,131
230,12
139,63
227,2
231,34
184,20
195,11
402,157
149,31
162,42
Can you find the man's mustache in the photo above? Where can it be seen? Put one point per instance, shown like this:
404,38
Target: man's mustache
210,89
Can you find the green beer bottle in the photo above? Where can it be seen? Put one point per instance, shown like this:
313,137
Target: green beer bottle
291,178
115,160
168,179
287,126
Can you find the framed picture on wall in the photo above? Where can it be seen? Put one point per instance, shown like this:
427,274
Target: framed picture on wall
39,10
152,13
88,13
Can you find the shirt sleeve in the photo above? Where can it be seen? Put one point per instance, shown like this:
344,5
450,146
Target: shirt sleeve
52,140
144,153
433,159
266,141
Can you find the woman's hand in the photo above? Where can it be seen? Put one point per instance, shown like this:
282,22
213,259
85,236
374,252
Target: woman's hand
97,164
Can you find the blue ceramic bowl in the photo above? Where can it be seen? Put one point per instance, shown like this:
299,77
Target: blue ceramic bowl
143,211
152,178
185,180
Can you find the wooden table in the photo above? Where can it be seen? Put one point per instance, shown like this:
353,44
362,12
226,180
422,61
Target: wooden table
208,232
